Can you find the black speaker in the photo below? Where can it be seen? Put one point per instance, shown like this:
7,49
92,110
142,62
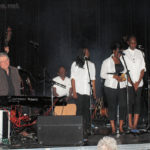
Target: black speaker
60,130
149,104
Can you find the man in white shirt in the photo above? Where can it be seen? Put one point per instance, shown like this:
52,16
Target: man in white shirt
59,91
136,66
81,85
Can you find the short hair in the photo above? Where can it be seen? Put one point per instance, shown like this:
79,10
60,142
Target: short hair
107,143
131,36
116,45
61,66
2,54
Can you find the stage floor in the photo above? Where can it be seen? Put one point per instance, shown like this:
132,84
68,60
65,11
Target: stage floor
145,146
127,141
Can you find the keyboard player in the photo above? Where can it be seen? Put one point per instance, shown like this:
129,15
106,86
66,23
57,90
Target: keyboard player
9,77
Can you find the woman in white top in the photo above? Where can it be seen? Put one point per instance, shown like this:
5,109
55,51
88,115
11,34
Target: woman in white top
114,86
136,66
81,85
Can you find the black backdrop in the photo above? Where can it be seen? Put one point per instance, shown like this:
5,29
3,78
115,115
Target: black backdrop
61,27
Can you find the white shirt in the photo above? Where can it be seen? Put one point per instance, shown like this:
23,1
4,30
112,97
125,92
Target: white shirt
108,66
135,63
60,90
81,77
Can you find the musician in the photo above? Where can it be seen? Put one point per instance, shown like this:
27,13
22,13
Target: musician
59,91
9,77
136,66
10,84
8,44
81,87
114,86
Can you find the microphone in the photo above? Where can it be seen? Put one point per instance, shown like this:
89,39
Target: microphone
86,58
121,52
26,72
21,69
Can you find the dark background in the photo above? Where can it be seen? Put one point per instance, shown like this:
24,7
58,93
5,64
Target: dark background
61,27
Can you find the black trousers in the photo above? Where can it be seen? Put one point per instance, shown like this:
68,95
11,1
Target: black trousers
116,97
134,100
83,109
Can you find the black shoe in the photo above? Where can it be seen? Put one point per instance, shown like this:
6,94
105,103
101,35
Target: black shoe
121,133
113,133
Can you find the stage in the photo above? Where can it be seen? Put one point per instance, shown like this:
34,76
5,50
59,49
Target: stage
58,49
128,141
120,147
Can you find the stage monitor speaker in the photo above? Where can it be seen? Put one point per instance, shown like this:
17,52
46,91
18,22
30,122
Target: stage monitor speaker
4,125
149,104
60,130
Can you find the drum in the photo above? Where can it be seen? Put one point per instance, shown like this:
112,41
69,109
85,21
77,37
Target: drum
68,110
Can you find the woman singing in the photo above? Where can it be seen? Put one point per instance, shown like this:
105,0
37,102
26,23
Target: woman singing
115,86
81,85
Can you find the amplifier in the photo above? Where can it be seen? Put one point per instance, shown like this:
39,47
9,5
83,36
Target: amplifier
4,125
60,130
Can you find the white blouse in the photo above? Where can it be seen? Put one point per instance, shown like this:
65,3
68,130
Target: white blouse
108,66
81,77
135,63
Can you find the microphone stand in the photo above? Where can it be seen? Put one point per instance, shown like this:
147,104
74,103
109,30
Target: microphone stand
91,94
127,87
51,82
52,96
44,82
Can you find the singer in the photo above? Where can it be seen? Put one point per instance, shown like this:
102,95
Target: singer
115,86
9,77
136,66
81,87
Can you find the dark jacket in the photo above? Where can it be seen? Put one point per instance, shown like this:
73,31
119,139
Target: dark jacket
15,81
